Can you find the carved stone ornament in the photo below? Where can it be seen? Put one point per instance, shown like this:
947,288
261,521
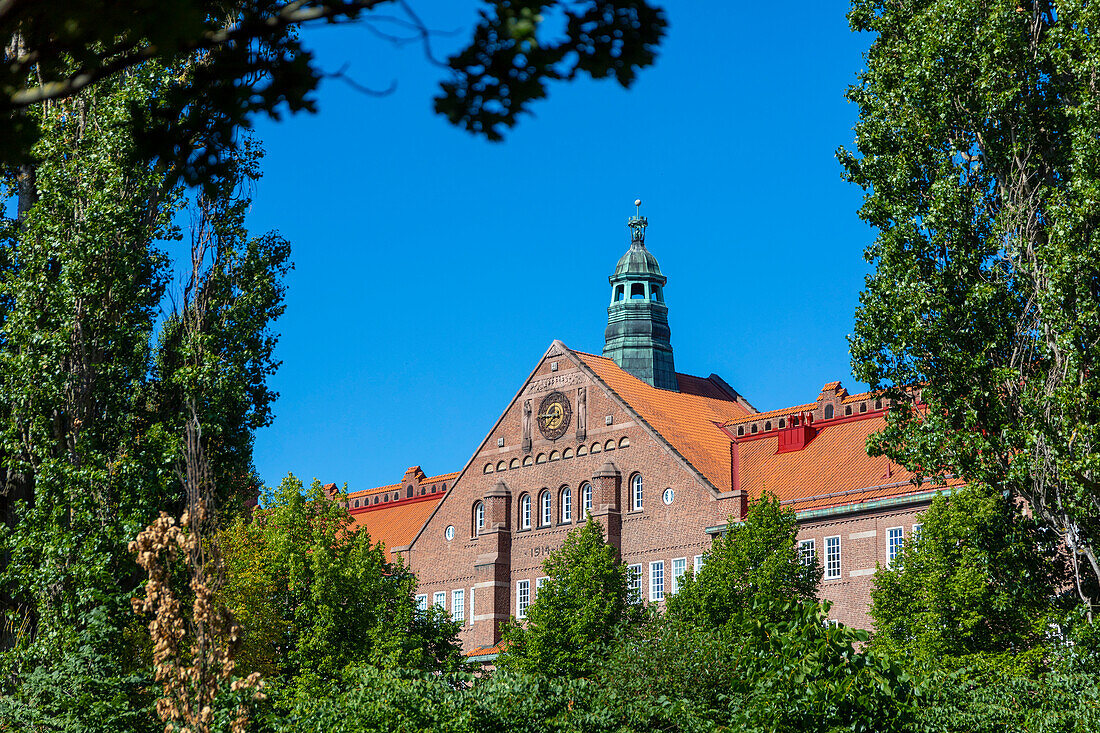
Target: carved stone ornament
555,414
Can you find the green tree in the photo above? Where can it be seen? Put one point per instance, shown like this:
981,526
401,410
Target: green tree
576,611
755,560
976,146
979,588
316,597
772,666
246,57
99,396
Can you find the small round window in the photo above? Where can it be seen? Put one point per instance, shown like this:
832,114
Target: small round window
449,533
669,496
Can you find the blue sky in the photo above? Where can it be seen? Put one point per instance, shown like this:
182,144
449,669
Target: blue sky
433,268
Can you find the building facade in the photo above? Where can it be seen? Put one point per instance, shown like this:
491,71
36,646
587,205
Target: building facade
663,460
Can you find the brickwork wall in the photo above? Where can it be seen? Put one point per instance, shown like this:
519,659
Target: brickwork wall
488,567
863,546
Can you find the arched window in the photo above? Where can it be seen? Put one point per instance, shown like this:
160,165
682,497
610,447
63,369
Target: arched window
356,503
637,291
754,427
409,492
741,430
514,463
782,422
502,466
478,520
636,491
847,409
546,504
767,426
525,511
566,509
586,497
828,412
619,293
656,293
488,468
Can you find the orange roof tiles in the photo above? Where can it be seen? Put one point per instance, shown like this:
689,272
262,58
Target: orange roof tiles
395,487
686,419
832,469
396,524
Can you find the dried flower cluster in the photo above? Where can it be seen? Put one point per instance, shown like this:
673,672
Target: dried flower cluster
191,679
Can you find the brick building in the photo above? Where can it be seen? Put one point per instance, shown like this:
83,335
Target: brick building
663,460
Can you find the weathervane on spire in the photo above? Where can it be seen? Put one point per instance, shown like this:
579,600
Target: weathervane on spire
637,224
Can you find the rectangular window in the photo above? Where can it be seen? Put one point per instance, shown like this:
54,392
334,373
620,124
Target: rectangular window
547,509
657,580
471,605
523,598
807,552
895,536
634,582
832,558
567,506
916,532
539,582
458,605
440,599
679,567
422,602
698,564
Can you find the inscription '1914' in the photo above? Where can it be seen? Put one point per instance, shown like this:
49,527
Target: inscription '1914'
538,551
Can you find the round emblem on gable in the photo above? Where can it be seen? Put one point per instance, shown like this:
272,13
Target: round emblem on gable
449,533
555,412
669,496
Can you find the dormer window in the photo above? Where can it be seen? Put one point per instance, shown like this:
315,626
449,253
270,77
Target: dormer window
828,412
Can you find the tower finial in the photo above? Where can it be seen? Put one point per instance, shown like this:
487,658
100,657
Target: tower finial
637,224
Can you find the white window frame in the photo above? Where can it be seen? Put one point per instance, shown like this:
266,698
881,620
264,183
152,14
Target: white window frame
525,511
566,511
634,582
422,602
523,598
657,580
458,605
833,570
807,551
546,509
539,582
894,543
471,605
697,564
479,518
636,492
679,568
586,497
439,599
917,530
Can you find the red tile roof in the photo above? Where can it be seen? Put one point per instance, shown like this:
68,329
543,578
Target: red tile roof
443,477
686,419
396,524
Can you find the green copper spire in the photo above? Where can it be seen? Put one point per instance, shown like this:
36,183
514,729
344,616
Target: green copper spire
637,336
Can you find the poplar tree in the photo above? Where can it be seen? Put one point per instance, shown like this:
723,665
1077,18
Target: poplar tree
105,387
977,148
